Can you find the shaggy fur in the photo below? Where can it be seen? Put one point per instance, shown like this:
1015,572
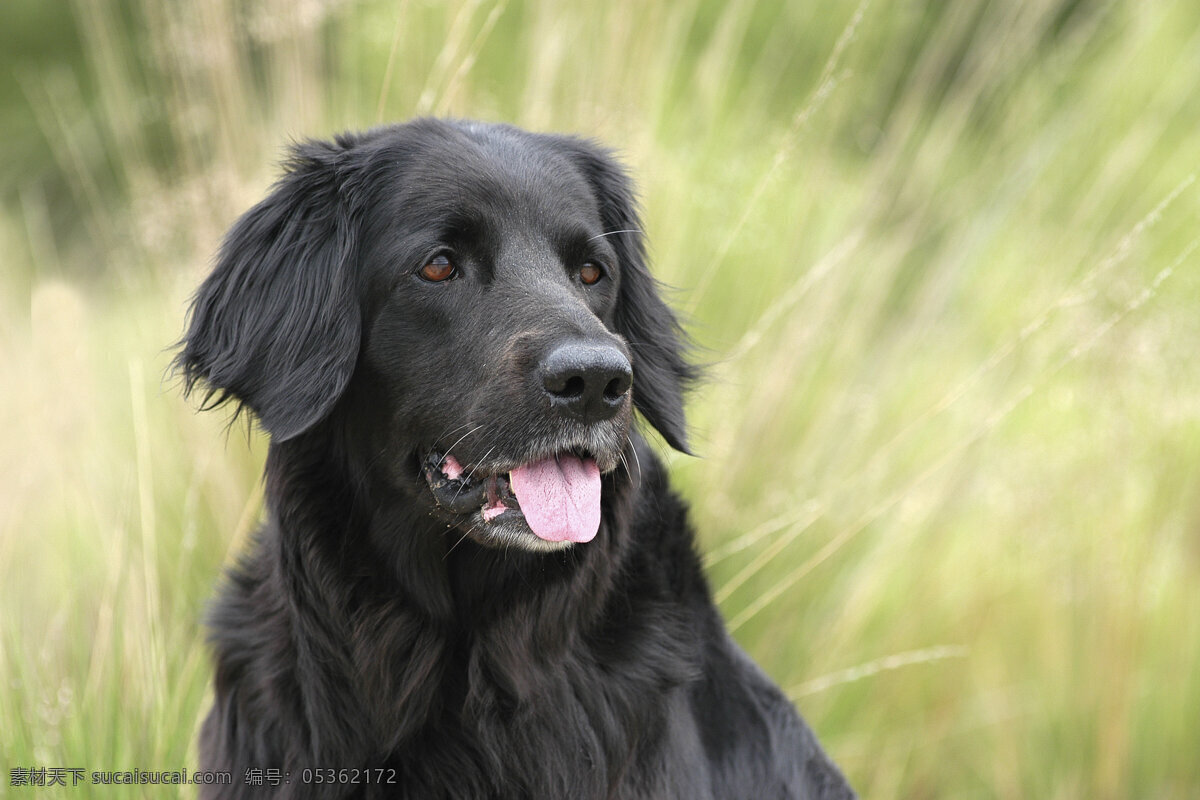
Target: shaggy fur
372,630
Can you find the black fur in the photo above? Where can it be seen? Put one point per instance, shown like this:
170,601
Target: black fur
370,630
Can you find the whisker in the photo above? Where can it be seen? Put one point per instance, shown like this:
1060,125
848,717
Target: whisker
480,461
465,435
614,233
360,481
449,431
628,471
636,460
460,541
472,472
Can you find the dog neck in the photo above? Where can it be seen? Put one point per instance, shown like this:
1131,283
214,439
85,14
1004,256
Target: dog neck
432,604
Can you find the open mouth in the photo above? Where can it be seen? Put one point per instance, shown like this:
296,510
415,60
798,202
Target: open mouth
548,503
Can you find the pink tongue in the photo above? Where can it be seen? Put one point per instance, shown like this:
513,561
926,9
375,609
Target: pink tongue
560,497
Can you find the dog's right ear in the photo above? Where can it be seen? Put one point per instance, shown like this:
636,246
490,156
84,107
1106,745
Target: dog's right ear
276,326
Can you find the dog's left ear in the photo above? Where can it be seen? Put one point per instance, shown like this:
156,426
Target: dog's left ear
661,372
276,325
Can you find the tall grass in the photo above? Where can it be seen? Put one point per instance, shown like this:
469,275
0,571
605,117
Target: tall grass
942,260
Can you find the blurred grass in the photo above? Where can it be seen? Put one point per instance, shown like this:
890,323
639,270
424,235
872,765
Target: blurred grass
943,257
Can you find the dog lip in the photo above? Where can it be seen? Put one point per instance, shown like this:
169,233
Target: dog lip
458,496
469,490
510,530
473,490
469,497
444,465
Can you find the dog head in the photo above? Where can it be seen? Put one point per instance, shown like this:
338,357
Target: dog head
472,299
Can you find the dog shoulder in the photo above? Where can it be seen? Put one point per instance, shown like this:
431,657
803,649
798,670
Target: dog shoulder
753,731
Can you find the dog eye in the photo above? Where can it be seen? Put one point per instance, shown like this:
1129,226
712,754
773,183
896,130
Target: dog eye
437,270
590,273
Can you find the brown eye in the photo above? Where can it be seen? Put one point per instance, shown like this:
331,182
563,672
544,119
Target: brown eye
589,273
437,270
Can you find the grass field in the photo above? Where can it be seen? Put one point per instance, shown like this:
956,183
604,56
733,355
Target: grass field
941,258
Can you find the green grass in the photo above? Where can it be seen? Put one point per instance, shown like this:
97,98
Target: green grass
942,260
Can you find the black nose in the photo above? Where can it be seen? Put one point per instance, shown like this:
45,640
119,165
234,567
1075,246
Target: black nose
586,381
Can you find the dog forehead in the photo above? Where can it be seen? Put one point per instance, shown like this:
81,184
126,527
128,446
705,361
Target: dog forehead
492,174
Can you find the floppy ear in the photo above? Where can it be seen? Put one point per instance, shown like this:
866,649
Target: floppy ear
276,325
661,372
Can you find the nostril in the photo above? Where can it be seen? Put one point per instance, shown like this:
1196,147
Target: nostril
616,388
572,388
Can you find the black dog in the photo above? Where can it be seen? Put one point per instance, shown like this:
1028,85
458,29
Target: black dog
474,581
